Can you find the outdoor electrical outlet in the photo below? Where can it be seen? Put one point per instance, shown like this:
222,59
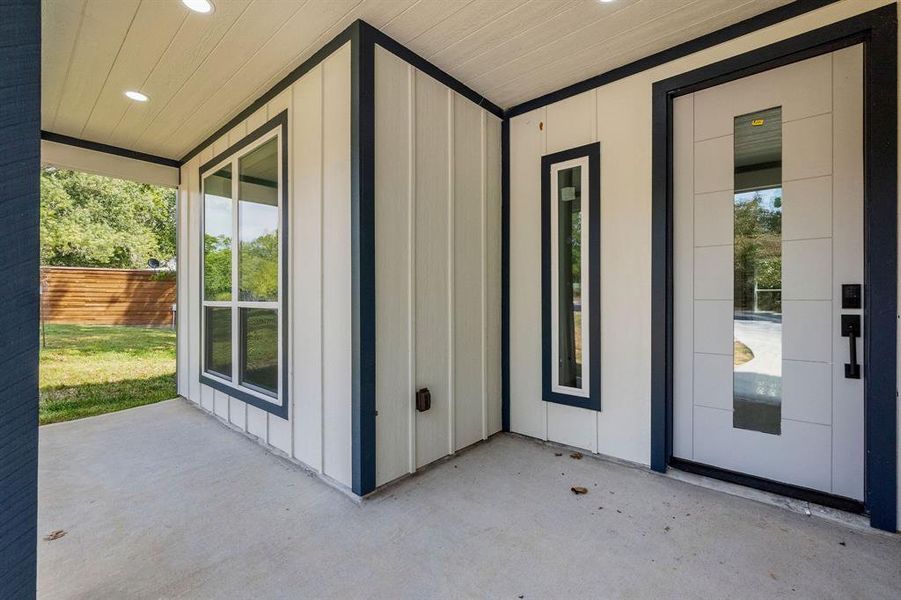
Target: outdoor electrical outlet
423,400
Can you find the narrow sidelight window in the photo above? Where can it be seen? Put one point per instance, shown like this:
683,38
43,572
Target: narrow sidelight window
570,281
244,195
757,283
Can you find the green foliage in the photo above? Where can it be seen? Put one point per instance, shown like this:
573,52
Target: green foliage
93,221
217,267
758,253
259,269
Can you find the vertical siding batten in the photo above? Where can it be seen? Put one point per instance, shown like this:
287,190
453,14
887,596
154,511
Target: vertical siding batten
411,268
451,282
494,274
483,263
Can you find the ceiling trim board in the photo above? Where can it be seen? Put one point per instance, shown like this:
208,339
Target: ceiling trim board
108,149
767,19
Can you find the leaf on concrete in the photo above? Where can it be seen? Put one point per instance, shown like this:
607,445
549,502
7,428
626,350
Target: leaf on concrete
576,455
577,490
54,535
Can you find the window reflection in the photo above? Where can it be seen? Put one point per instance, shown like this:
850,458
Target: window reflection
259,348
218,344
757,253
569,269
258,224
217,235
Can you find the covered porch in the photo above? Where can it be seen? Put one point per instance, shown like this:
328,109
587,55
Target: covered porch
162,501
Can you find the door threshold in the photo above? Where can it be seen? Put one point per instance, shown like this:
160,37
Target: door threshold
808,508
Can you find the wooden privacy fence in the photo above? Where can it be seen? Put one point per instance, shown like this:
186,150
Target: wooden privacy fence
107,296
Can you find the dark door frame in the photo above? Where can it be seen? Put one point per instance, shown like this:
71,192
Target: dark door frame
877,31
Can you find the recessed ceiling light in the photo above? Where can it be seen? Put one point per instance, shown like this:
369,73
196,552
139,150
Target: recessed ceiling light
201,6
606,1
137,96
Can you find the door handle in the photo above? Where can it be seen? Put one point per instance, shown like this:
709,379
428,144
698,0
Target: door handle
851,330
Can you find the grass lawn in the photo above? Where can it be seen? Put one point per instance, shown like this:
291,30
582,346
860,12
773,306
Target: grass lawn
89,370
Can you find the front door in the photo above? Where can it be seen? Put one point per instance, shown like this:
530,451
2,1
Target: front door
768,273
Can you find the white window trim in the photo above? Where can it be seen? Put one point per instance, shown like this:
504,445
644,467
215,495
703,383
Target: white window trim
584,391
234,303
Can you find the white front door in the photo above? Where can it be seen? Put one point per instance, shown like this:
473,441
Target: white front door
768,235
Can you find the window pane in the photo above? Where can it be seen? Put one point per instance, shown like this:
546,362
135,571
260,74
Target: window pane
218,342
258,223
259,348
569,272
217,235
757,357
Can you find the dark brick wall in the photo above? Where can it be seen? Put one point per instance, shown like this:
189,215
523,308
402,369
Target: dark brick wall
20,103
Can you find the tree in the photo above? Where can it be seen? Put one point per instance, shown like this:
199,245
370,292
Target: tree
94,221
758,251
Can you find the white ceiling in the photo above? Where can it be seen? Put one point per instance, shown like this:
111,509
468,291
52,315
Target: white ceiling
201,70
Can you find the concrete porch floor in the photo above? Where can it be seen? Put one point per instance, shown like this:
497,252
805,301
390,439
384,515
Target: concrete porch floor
164,502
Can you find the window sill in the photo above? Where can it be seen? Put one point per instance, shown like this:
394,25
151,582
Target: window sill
277,407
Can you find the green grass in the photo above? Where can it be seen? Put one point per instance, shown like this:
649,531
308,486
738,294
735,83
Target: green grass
89,370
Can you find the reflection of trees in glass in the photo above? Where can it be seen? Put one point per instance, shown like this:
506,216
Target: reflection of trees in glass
217,267
260,348
575,245
569,257
758,251
259,268
219,340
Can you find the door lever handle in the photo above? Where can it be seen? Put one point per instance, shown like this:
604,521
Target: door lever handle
851,330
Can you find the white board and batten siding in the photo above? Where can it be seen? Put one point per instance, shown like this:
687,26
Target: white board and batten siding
438,268
618,115
318,430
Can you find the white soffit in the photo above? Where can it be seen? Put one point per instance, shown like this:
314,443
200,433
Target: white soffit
201,70
65,156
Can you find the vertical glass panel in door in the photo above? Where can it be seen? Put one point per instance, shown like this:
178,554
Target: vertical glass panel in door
218,340
569,273
757,283
258,223
217,235
259,349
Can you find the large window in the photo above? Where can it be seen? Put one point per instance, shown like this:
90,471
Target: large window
243,269
570,276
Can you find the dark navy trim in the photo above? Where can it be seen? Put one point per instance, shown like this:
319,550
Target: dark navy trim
234,390
362,161
767,19
107,149
280,119
20,125
431,70
768,485
593,402
881,268
245,396
877,30
505,274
